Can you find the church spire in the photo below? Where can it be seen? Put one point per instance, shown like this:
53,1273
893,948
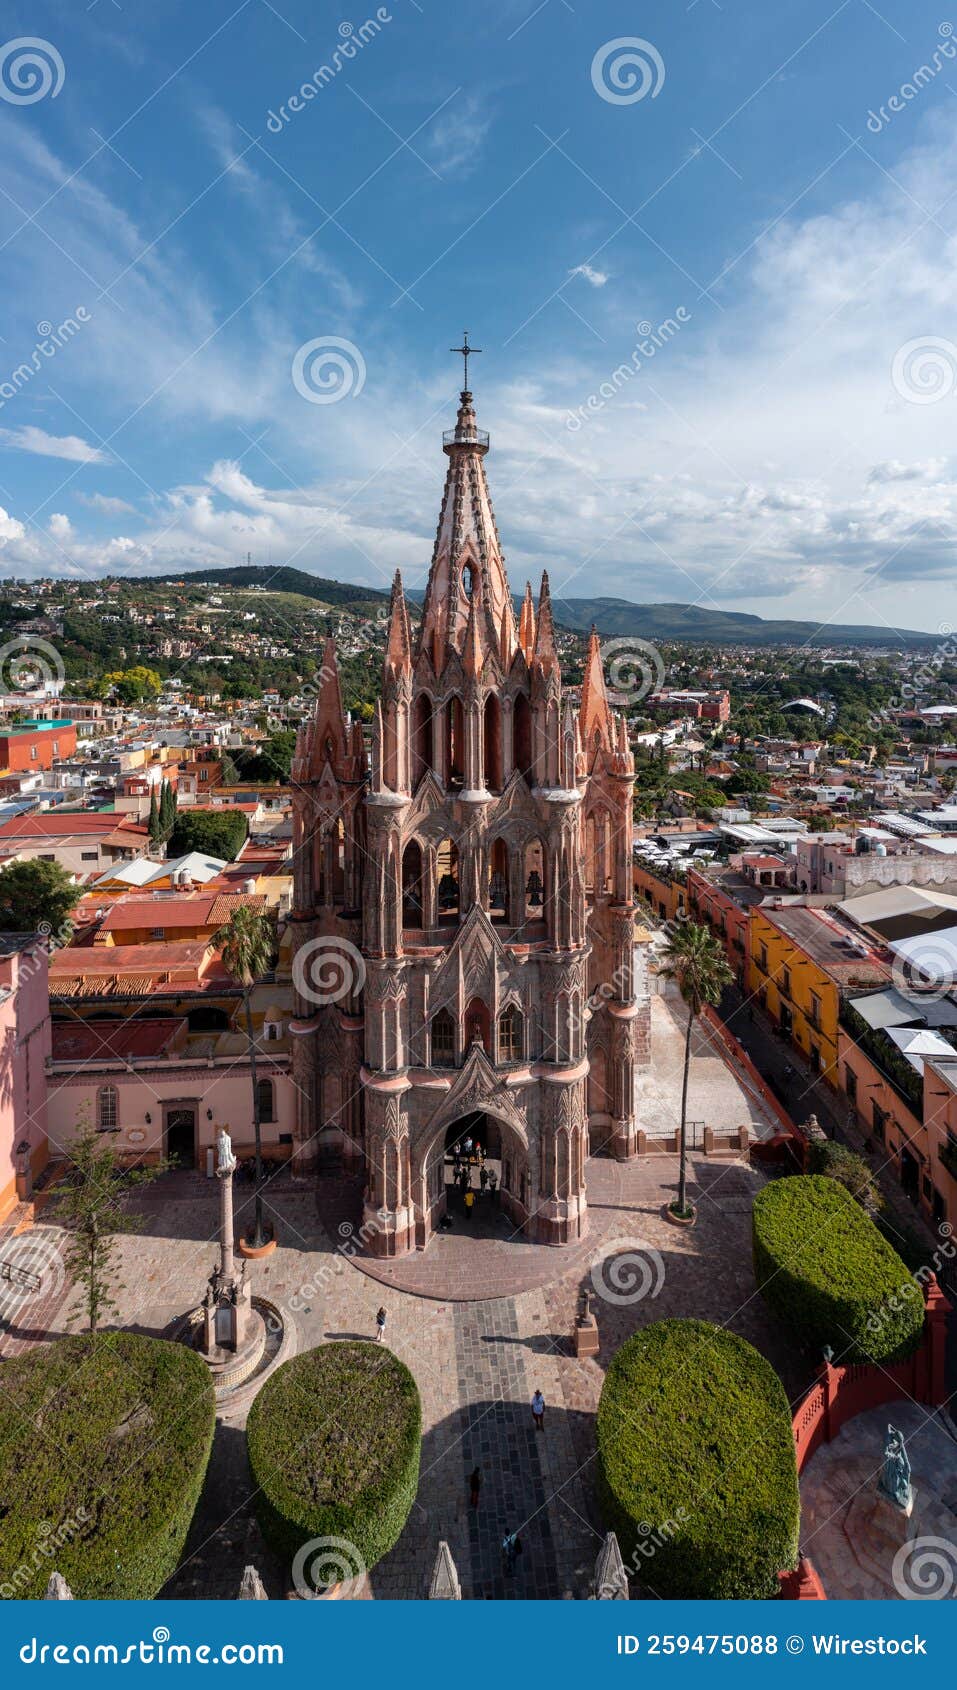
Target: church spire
594,714
398,653
323,737
467,548
545,653
526,626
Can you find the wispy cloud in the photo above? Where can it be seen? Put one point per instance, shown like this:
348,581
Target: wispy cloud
457,136
595,278
103,502
69,446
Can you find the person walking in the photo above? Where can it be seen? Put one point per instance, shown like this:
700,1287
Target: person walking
380,1321
538,1410
469,1204
483,1177
511,1549
475,1485
493,1184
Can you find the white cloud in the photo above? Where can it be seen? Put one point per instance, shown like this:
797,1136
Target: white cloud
69,446
105,503
457,135
894,470
596,278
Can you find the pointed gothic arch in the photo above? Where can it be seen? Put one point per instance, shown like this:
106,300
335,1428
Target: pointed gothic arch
522,735
412,885
447,881
492,743
423,737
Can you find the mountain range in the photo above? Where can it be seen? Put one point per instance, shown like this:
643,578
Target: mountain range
613,617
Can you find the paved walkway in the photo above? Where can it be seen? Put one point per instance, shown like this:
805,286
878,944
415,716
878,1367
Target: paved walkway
718,1095
861,1549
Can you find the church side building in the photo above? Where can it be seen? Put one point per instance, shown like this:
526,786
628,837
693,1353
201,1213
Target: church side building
475,877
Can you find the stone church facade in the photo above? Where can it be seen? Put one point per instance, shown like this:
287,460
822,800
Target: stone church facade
463,906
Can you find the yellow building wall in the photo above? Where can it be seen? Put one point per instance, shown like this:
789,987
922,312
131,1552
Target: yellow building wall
786,963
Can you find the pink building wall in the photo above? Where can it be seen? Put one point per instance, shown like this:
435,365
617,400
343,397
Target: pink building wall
218,1097
24,1052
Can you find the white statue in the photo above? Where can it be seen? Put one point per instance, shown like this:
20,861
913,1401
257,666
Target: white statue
225,1160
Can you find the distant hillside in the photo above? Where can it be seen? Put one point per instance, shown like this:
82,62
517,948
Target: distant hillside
283,580
696,623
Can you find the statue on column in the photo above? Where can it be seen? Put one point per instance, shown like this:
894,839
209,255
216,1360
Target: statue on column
894,1482
225,1157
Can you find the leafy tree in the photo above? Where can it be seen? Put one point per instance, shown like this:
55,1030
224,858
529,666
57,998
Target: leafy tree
248,942
134,685
216,833
91,1205
273,758
230,774
36,897
695,961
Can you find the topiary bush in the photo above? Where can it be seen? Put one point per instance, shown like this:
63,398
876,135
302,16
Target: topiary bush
824,1269
696,1463
104,1443
334,1438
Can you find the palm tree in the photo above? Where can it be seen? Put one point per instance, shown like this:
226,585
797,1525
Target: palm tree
247,941
694,959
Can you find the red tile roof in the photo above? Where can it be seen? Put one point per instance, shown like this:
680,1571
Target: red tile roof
51,824
202,910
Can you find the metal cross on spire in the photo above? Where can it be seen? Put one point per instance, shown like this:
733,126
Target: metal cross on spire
466,352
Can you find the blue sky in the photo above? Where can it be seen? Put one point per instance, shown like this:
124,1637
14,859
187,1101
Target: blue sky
718,320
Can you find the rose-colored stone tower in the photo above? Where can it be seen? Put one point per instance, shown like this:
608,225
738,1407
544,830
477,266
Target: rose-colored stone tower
481,868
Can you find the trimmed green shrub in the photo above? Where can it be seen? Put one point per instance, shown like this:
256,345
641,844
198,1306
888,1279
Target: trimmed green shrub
824,1269
334,1438
696,1463
104,1443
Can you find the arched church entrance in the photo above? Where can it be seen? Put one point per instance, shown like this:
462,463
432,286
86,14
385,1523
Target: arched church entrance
476,1143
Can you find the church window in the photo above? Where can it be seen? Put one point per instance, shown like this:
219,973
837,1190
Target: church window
266,1099
443,1039
412,885
447,868
510,1030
